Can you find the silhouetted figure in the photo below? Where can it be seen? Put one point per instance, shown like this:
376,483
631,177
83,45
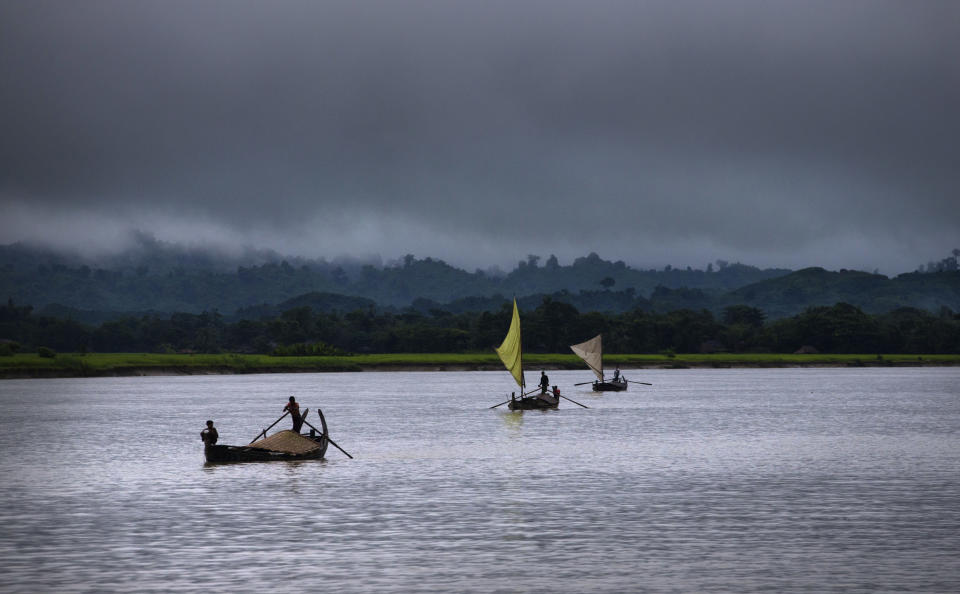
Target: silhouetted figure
544,382
294,409
555,394
209,435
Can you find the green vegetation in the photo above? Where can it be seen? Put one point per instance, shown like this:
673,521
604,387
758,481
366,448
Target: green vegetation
317,315
106,364
590,284
305,349
154,278
549,327
160,278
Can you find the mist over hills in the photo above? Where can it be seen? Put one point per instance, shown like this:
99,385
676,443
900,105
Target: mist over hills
160,278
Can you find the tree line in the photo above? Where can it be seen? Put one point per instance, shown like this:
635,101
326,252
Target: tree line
550,327
198,284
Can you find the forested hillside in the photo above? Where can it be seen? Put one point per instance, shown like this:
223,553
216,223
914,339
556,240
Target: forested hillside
873,293
550,327
159,280
162,279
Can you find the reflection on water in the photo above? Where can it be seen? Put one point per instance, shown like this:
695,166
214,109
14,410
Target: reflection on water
720,480
513,421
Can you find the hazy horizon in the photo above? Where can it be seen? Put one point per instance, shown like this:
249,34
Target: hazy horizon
139,244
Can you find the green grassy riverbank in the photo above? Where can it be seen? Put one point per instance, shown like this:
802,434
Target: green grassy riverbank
132,364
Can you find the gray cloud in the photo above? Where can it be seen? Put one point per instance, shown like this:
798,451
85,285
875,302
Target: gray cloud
776,133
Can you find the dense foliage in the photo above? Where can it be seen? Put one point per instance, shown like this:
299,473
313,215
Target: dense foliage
159,283
550,327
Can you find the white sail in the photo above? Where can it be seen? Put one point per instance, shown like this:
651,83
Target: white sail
591,352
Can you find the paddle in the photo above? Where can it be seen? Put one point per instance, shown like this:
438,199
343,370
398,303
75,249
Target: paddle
330,440
521,396
629,381
264,432
573,401
560,395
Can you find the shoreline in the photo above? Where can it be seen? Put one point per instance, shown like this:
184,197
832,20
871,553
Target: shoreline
52,372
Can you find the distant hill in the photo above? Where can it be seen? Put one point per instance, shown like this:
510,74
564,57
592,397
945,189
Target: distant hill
161,278
779,297
318,302
873,293
158,279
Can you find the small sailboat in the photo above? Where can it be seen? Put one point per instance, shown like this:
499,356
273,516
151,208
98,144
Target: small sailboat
511,353
591,352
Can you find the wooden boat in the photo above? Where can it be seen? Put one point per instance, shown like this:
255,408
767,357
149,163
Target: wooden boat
282,445
535,402
511,354
591,352
614,385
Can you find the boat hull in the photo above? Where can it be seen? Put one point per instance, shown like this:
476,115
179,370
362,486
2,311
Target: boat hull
533,403
229,453
309,446
613,386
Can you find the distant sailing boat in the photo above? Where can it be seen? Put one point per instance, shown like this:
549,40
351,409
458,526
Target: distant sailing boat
511,353
591,352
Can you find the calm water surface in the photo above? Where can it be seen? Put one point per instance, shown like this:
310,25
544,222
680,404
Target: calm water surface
811,480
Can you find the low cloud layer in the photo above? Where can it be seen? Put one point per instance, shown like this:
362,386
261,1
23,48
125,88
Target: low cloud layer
774,133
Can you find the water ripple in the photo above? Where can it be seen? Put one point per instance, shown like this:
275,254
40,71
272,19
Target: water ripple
709,481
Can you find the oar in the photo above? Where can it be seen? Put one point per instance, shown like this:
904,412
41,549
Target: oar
522,395
630,381
560,395
573,401
328,439
264,432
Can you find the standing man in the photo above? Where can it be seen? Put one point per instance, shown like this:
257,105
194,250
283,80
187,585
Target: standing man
544,382
294,409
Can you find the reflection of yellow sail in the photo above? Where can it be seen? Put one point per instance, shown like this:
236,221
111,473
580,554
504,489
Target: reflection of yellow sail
510,351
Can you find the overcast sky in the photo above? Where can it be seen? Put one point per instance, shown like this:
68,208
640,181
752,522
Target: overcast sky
656,132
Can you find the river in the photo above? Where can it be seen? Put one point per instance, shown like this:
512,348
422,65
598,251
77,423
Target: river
728,480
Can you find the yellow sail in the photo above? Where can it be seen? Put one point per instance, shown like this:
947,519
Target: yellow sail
510,351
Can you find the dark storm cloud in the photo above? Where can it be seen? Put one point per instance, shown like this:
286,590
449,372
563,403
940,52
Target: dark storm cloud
777,133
